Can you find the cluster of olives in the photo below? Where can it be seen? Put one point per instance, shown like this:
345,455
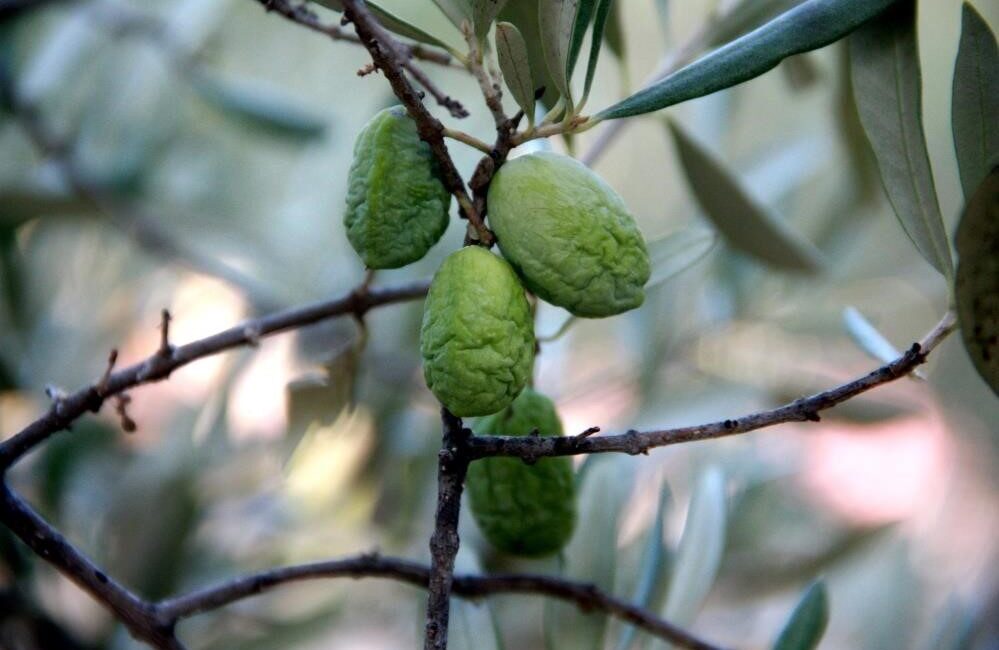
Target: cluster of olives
565,235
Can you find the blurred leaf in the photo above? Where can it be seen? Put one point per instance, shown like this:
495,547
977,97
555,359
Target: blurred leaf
614,31
807,625
745,224
862,166
584,13
63,455
511,50
699,554
393,23
473,626
484,12
677,252
654,557
811,25
260,107
868,337
955,627
320,397
801,71
662,10
975,100
977,285
603,12
591,556
887,87
744,17
556,20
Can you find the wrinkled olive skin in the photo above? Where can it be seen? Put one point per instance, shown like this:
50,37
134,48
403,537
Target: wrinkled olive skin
477,339
568,235
527,510
397,207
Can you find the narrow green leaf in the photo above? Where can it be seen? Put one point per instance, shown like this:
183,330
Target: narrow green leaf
457,11
584,13
975,100
977,286
514,63
259,107
700,552
614,32
662,10
810,25
556,19
653,558
868,337
393,23
808,621
484,12
603,12
591,555
887,87
745,224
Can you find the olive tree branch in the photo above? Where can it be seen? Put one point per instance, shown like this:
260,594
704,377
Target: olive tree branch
633,442
155,622
386,56
372,565
300,14
66,410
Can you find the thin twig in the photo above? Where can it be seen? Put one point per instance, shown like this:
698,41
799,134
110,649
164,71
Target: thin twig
452,464
157,367
635,442
306,18
385,54
371,565
154,623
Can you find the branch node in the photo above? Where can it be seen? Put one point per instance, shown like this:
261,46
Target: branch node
121,403
102,385
252,335
166,349
586,434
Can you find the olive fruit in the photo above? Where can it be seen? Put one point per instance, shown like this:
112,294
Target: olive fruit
568,235
523,509
397,206
477,339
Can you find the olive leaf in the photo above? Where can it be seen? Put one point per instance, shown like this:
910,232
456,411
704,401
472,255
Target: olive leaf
514,63
603,13
557,20
808,26
258,106
484,12
525,15
975,100
746,224
808,621
977,284
614,31
677,252
888,90
868,337
654,558
584,13
700,551
393,23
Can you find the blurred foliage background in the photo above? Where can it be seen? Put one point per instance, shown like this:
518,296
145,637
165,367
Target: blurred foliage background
219,138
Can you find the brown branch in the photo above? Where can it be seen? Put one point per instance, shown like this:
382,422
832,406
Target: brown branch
452,464
385,54
371,565
307,18
67,409
634,442
138,616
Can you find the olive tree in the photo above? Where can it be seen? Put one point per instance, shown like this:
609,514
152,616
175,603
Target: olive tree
540,230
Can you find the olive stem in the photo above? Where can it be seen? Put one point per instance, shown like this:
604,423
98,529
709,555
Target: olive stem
468,139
